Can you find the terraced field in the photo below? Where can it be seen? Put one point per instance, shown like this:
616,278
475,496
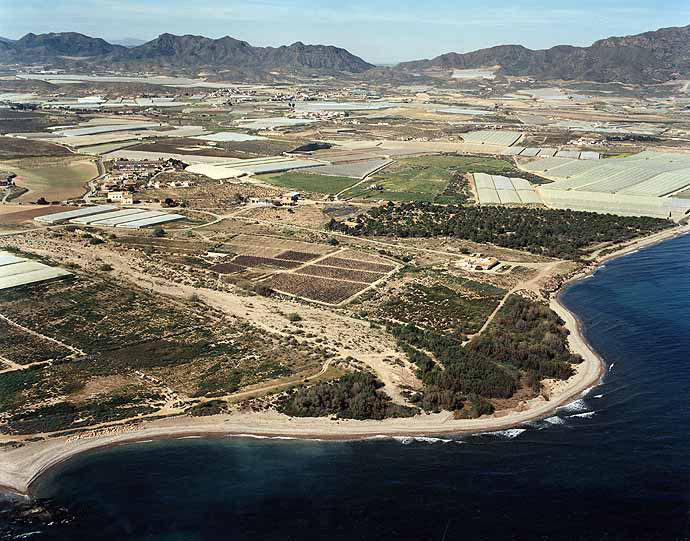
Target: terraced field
316,289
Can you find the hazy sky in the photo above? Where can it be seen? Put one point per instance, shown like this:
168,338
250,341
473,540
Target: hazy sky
378,30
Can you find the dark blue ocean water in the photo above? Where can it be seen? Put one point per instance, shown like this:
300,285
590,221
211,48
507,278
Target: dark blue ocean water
613,465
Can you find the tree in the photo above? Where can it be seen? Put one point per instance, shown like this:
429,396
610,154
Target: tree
159,232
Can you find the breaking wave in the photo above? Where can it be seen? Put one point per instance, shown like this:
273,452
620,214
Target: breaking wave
585,415
407,440
575,407
510,433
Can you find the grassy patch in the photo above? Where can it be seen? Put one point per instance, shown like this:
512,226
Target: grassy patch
305,182
429,178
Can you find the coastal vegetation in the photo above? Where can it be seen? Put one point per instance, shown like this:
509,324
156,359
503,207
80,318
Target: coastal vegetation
355,395
556,233
524,344
433,300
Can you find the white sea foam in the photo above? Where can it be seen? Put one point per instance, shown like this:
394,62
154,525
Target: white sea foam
555,420
28,534
260,437
143,441
598,396
407,440
577,406
188,437
585,415
510,433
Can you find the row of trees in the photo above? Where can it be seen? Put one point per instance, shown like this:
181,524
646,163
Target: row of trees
551,232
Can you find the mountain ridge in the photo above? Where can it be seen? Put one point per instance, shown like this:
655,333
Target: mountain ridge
171,51
650,57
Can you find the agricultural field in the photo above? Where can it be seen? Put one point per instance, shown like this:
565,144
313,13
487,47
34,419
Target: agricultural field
310,183
21,347
428,178
311,271
51,178
342,274
253,261
144,352
92,316
30,121
354,169
248,244
19,214
12,148
357,264
228,149
315,289
332,280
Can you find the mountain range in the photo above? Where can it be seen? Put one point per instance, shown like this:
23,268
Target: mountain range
651,57
171,52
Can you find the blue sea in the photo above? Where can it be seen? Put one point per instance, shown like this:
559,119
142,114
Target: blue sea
614,464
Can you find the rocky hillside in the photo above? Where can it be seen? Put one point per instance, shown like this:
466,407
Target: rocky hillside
178,52
46,47
651,57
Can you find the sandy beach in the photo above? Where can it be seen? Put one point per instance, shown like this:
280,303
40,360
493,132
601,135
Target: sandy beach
21,466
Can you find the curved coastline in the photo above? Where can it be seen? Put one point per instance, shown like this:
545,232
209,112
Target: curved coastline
20,467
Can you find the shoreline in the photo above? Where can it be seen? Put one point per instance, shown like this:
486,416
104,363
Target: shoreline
21,467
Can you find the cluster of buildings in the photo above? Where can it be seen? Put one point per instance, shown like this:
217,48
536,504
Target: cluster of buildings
126,177
479,263
324,115
6,179
289,198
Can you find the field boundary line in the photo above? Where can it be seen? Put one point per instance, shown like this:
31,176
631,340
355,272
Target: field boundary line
35,333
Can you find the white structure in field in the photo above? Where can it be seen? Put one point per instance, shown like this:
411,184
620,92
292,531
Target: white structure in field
110,216
498,190
236,168
17,271
639,185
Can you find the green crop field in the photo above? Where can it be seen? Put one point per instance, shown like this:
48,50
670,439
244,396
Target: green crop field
306,182
428,178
